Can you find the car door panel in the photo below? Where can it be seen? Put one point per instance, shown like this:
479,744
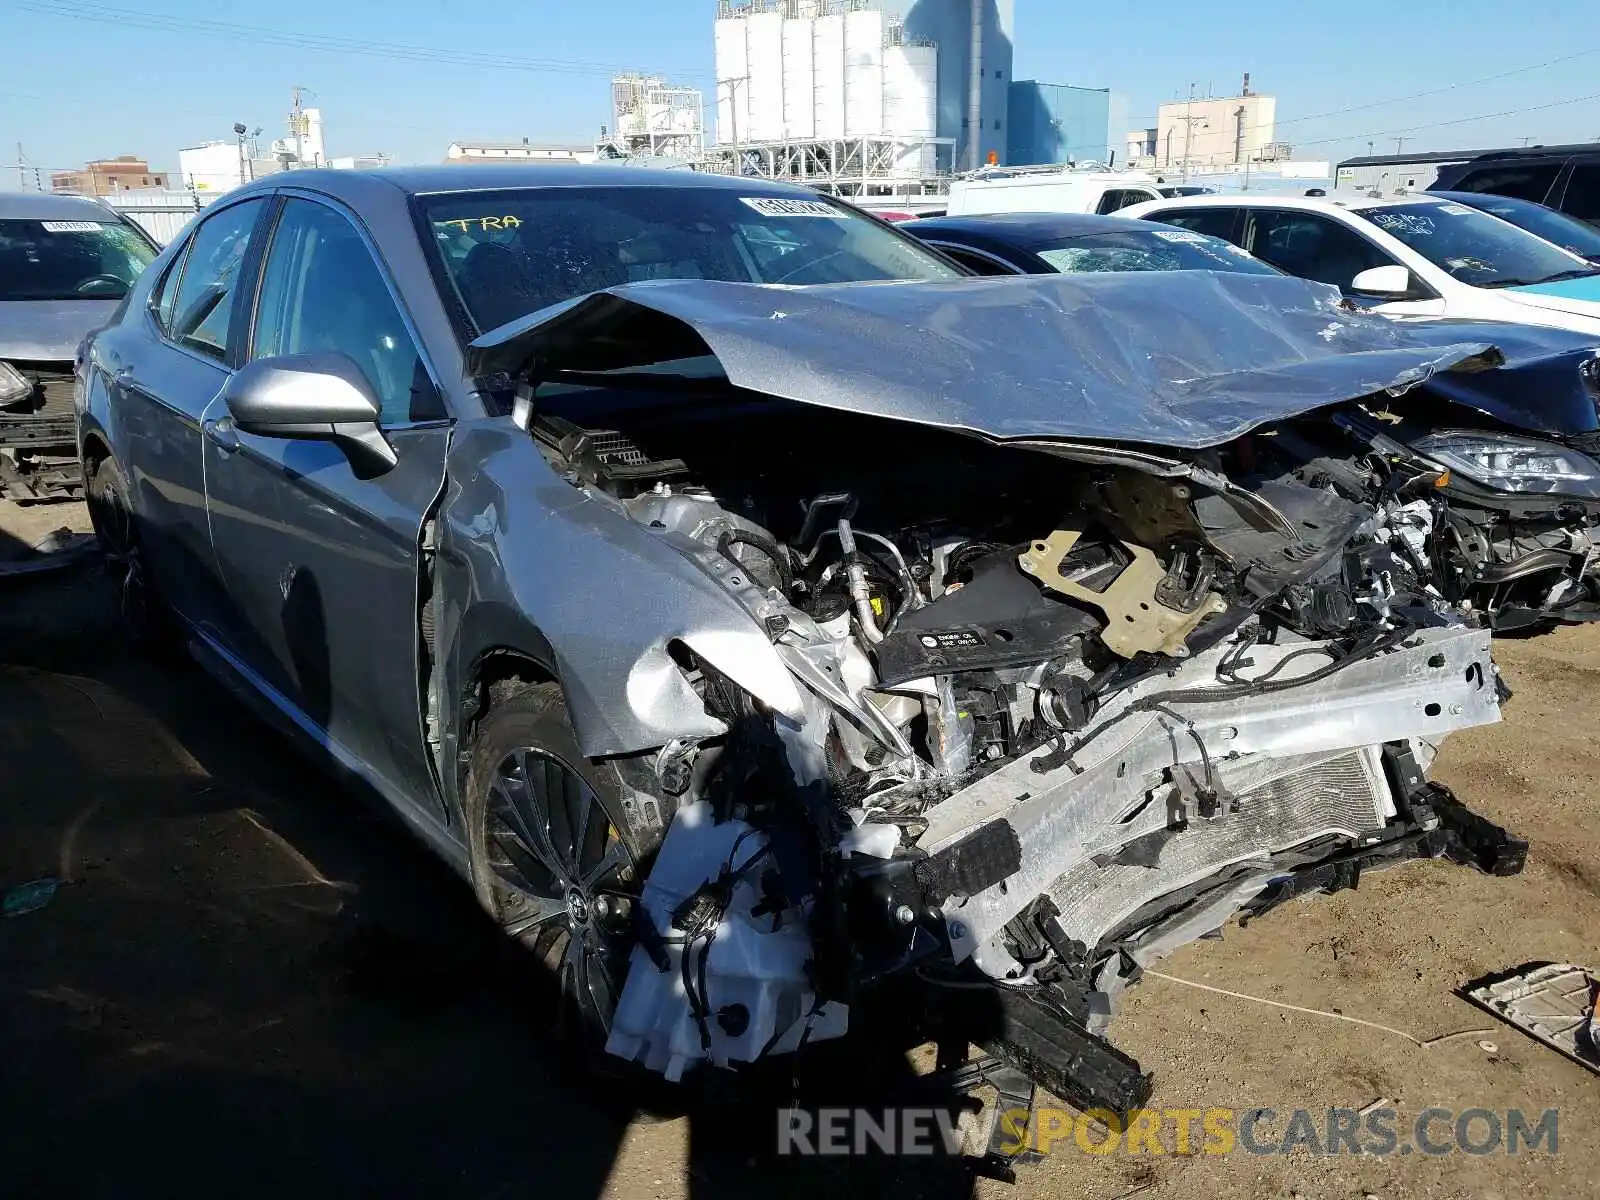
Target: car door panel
323,567
164,380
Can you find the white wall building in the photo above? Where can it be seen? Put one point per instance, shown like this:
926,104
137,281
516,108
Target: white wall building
826,90
1212,132
221,166
516,152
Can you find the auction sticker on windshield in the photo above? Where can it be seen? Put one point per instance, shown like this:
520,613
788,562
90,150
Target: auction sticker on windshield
777,206
71,226
1181,235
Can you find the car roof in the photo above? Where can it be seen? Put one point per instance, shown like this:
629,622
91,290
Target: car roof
1023,229
39,206
1351,203
490,177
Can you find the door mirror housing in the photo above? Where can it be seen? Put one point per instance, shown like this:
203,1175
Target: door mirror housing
1393,281
320,397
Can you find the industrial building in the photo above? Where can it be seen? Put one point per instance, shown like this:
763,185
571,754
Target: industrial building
1059,123
863,97
516,152
1398,172
653,119
107,176
1210,133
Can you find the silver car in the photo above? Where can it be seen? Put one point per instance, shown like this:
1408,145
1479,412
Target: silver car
763,615
65,264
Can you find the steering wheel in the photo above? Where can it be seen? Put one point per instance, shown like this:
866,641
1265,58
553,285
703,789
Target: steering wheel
94,281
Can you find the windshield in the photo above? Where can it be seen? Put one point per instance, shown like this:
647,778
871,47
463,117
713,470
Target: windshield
1148,250
1473,246
510,253
1564,231
70,260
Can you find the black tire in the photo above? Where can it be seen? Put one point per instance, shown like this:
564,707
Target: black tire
553,859
144,618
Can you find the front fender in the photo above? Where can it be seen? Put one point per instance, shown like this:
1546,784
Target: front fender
527,562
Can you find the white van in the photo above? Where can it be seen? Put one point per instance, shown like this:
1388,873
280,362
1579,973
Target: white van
1058,191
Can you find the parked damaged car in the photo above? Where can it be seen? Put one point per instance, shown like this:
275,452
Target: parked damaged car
758,651
65,262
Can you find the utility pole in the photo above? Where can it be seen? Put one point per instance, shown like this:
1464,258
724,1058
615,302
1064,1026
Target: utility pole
1399,144
22,171
1189,119
733,116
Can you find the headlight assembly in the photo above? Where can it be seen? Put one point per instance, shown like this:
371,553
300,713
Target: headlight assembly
1514,464
13,385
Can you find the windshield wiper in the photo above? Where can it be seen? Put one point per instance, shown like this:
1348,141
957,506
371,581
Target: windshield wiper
1575,273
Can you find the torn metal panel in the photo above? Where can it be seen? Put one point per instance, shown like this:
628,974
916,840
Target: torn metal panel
1184,359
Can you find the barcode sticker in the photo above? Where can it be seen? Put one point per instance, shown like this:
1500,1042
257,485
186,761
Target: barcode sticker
778,206
71,226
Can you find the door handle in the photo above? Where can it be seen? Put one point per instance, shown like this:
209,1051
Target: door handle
221,433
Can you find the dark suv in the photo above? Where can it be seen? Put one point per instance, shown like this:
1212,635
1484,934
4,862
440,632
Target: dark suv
1565,178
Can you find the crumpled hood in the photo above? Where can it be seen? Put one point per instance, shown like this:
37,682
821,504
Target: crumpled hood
1182,359
49,330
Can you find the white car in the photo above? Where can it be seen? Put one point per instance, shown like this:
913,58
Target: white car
1408,256
1053,190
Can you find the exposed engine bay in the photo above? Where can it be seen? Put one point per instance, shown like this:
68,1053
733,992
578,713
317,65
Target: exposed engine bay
1060,716
1472,520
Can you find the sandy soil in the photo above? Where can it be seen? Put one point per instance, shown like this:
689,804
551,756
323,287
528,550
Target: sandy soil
253,984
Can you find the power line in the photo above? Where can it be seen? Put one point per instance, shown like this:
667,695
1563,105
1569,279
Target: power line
1510,112
87,10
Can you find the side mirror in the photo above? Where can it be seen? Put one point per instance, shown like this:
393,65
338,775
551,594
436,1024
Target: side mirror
312,397
1392,280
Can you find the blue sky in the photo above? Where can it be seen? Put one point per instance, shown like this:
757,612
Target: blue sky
104,83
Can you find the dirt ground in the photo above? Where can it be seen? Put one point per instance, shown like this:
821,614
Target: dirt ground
252,983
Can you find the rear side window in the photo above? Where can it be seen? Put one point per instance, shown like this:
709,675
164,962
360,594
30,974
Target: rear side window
1531,182
164,296
1122,198
1583,194
203,307
1213,222
978,264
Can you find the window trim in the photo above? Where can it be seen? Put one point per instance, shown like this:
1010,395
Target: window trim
1010,268
283,196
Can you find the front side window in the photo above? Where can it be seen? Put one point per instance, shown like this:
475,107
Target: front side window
70,259
1148,250
978,264
1312,246
321,291
1122,198
509,253
1213,222
1524,182
1474,247
203,305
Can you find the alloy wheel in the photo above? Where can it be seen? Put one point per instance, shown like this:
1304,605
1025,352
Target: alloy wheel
563,878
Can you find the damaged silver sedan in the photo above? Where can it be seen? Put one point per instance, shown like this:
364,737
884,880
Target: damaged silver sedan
755,648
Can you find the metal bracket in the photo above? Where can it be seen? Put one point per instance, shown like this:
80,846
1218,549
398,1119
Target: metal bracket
1138,622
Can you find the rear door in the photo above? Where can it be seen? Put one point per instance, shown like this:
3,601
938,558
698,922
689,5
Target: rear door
324,566
170,366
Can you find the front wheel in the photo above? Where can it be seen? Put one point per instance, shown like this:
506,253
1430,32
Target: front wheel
552,858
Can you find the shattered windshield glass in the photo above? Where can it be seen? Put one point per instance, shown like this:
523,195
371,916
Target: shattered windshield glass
70,260
510,253
1148,250
1475,247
